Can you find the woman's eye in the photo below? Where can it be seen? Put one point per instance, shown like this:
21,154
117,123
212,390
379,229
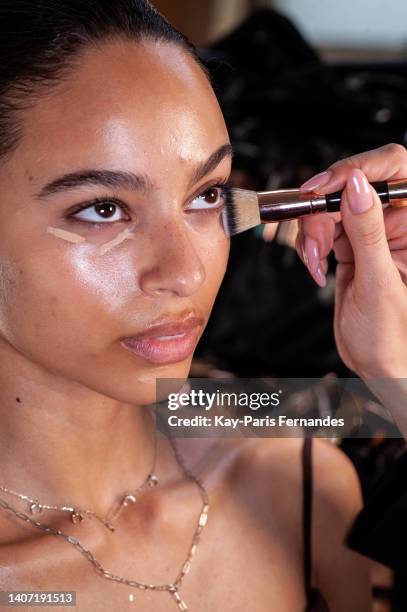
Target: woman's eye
102,212
211,198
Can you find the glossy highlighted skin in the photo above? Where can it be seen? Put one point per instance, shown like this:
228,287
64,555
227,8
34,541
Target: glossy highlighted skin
86,285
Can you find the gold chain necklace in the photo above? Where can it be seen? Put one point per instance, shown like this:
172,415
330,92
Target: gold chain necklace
77,515
172,588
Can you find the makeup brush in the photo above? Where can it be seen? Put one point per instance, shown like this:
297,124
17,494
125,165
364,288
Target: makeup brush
245,209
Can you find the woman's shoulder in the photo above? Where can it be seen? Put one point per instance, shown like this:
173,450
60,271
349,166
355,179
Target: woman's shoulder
282,458
271,473
270,470
273,467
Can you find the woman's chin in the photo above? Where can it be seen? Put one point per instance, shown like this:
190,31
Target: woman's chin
154,384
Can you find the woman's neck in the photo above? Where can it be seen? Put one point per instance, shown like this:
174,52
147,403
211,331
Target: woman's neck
66,444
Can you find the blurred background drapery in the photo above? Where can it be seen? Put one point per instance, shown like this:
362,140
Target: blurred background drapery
301,83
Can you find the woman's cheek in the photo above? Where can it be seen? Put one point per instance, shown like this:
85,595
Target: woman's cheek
213,247
60,295
109,281
27,310
8,291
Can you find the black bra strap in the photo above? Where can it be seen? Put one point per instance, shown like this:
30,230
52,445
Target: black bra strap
307,512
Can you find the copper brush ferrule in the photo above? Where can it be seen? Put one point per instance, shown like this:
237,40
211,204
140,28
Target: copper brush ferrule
245,209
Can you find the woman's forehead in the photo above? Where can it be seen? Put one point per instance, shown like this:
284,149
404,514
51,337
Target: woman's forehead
123,105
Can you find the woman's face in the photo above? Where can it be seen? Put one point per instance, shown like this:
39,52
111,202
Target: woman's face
76,283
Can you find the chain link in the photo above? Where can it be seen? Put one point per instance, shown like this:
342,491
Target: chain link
77,515
172,588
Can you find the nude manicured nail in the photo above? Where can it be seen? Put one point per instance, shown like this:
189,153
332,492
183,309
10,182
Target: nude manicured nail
317,181
311,254
324,265
359,194
319,277
302,247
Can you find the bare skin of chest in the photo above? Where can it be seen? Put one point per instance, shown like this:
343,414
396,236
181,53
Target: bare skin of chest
244,560
233,573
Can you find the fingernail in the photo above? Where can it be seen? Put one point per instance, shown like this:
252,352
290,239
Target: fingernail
317,181
359,193
311,254
319,277
304,255
324,265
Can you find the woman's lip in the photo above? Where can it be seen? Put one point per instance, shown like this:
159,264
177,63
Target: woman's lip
170,327
168,348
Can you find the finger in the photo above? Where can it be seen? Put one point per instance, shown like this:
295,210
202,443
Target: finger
384,163
343,276
401,263
317,238
317,267
324,265
300,251
395,220
363,221
299,246
343,249
321,228
269,232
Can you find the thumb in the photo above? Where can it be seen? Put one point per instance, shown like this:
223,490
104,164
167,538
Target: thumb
363,221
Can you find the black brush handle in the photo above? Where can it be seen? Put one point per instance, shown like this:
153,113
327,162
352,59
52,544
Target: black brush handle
333,200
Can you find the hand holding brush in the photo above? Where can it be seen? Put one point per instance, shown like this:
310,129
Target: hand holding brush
370,245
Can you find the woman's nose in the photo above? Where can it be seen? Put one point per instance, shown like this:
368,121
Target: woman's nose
175,267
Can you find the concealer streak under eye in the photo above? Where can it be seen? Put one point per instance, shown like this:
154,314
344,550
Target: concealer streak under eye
65,235
126,234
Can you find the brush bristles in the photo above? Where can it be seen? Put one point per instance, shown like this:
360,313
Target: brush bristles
241,211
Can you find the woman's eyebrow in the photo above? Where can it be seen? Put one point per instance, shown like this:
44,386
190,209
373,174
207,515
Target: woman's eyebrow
124,179
106,178
211,163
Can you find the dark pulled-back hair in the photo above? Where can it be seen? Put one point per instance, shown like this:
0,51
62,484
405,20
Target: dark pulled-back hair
40,41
